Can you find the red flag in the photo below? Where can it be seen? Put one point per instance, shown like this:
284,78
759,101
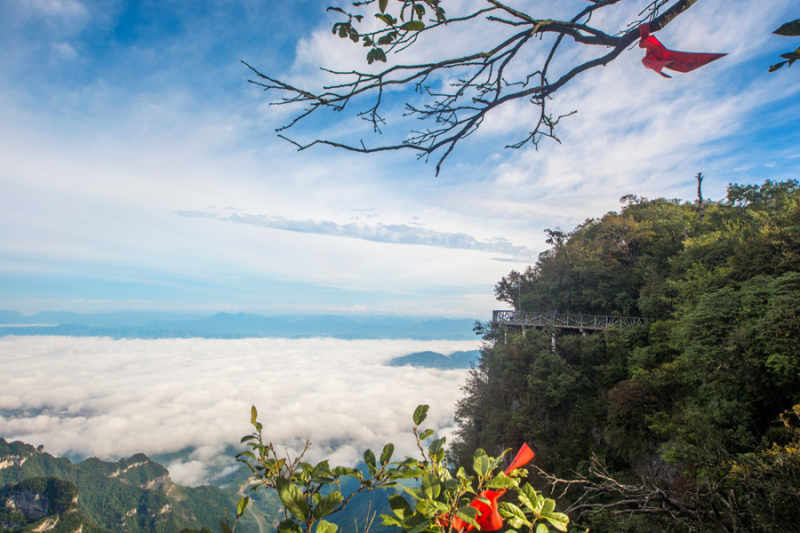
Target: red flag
658,56
489,518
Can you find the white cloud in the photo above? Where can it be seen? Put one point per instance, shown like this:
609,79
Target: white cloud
384,233
113,398
65,51
65,16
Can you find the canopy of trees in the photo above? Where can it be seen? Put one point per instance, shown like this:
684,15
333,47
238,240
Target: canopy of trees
695,416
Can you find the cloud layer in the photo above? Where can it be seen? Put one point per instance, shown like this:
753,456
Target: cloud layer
113,398
386,233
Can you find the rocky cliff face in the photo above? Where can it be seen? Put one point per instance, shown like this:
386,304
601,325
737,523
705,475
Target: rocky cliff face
33,505
38,505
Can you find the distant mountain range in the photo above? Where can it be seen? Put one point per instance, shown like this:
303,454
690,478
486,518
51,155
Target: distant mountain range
133,325
430,359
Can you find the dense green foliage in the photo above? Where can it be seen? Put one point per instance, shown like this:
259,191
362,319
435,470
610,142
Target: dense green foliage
134,495
680,401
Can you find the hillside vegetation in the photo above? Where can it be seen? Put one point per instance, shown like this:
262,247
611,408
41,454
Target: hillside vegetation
693,411
134,495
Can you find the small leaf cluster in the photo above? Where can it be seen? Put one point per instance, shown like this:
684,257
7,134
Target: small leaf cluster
446,501
308,492
790,29
401,31
534,512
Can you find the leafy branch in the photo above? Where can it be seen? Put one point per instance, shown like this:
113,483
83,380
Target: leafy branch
443,499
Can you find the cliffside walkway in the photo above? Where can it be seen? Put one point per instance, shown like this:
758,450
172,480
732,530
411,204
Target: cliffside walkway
583,323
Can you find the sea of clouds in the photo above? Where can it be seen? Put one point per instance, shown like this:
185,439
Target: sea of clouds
108,398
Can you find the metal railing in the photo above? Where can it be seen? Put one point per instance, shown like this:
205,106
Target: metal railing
560,320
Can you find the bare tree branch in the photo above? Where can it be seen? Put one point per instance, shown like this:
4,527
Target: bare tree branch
455,112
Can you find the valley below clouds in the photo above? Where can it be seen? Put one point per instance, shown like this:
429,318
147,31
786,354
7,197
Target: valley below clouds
84,397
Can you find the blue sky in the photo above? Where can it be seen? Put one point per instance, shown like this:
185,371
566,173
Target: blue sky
141,171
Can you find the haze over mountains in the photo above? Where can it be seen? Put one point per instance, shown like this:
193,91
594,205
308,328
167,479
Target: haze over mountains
149,325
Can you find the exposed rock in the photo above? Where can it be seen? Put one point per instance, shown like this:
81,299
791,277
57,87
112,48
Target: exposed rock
33,506
12,460
46,525
654,467
161,483
123,470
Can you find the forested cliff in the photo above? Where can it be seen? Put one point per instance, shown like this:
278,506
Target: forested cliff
691,413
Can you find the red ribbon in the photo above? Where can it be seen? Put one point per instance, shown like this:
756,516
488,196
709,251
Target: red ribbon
489,518
658,56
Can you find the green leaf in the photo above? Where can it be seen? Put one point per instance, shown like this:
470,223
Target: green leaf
425,434
399,506
376,54
420,413
560,521
431,486
408,474
389,521
253,415
369,458
776,66
327,504
415,493
413,25
382,5
429,508
345,471
538,505
548,508
339,9
224,527
541,528
326,527
481,465
790,29
241,507
386,454
436,446
513,514
249,454
420,9
468,514
501,481
387,19
530,492
247,438
292,498
322,469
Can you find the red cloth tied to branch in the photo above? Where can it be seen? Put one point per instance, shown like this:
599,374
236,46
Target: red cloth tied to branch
489,518
659,57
